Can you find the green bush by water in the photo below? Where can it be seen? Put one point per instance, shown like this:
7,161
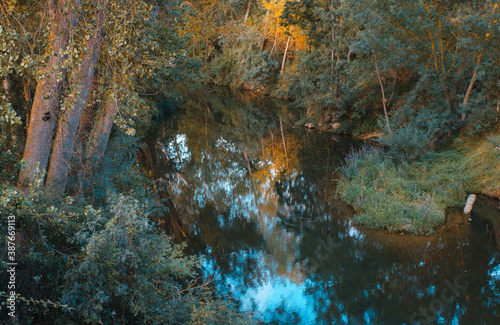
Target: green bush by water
412,196
406,143
383,197
103,266
104,263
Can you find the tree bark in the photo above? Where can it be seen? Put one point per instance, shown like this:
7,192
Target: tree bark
467,94
286,50
7,85
265,31
384,101
247,12
90,110
62,152
100,135
45,108
27,92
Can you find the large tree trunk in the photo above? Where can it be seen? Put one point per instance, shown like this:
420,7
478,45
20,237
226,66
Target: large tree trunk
62,152
100,134
45,109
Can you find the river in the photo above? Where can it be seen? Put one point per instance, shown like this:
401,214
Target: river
257,197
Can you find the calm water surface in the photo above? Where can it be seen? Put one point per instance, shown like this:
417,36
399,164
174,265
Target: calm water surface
275,237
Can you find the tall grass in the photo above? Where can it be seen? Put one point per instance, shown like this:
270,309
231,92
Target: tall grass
401,196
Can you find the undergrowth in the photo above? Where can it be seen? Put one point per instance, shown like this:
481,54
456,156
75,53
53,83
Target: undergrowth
104,262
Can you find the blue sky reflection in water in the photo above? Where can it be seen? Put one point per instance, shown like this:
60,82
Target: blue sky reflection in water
275,237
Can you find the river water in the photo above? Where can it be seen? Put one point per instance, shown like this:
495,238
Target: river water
258,201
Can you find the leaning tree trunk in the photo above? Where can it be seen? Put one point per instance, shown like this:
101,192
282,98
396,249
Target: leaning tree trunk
275,45
264,33
45,108
469,89
384,100
100,134
247,13
62,152
286,50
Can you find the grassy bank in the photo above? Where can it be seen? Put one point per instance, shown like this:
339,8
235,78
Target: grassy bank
401,194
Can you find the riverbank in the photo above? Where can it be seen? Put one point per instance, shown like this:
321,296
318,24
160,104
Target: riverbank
409,192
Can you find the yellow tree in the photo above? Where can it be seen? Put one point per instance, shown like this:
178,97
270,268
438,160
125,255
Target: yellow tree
275,8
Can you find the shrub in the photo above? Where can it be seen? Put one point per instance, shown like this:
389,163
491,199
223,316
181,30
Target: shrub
406,143
49,234
383,197
77,264
128,270
412,196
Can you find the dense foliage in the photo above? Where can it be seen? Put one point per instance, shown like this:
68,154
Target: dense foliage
70,70
78,264
433,63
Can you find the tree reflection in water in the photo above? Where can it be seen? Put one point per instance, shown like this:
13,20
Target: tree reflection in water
275,237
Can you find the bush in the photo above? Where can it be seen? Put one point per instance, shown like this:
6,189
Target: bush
79,265
413,196
383,197
406,143
49,235
128,270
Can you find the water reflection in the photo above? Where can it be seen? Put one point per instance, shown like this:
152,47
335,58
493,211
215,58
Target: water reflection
259,204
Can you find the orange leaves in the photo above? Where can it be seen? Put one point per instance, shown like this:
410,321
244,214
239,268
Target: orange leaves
274,6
